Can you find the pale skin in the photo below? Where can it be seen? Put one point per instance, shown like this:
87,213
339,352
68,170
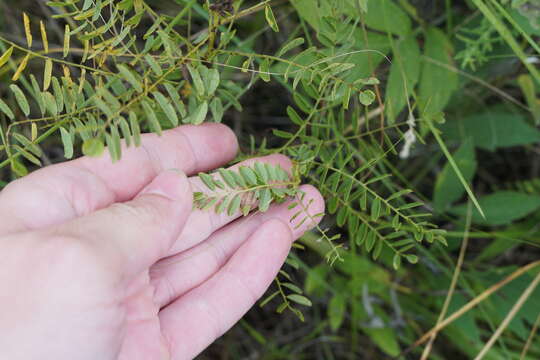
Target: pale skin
110,261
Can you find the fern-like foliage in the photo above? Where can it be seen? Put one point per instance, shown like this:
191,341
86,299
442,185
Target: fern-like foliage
124,69
256,186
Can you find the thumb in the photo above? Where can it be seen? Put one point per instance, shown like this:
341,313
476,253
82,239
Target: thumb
136,234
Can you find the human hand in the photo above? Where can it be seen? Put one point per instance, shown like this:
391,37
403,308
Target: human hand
108,261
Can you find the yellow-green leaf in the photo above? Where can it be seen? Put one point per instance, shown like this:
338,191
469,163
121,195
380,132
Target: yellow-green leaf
135,129
86,14
28,144
126,132
293,115
114,143
270,18
21,68
396,261
367,97
33,132
27,30
299,299
153,121
197,81
248,175
246,64
130,77
264,70
375,209
5,56
200,114
27,155
18,168
38,95
67,142
290,45
50,103
207,180
47,73
213,81
6,110
44,37
153,65
21,99
265,199
234,205
93,147
167,108
67,37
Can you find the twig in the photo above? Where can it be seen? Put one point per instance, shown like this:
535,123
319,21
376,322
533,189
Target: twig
471,304
455,277
517,306
531,337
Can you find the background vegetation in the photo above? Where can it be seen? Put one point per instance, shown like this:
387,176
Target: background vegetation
418,121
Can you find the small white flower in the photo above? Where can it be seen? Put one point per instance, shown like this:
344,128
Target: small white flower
410,138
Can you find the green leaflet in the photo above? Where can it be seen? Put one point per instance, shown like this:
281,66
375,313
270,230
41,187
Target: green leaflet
130,77
67,141
367,97
234,205
6,110
294,43
175,98
167,108
299,299
93,147
126,131
212,81
197,80
50,103
37,94
135,129
264,70
217,110
240,189
438,80
249,175
28,145
47,73
153,65
6,56
21,99
151,117
199,115
270,18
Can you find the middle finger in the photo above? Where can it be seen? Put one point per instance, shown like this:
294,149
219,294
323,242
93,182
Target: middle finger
174,276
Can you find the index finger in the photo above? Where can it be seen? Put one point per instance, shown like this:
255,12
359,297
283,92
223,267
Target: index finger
188,148
62,192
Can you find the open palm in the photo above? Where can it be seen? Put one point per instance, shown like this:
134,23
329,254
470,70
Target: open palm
109,261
